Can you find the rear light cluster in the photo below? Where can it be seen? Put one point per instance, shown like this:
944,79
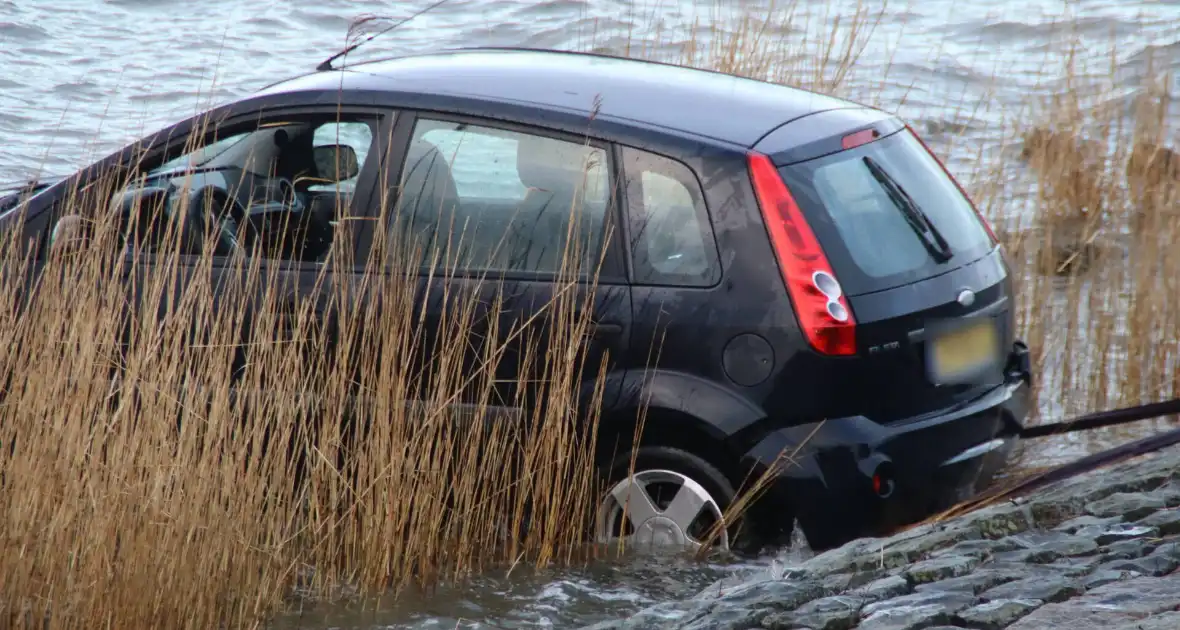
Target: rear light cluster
819,301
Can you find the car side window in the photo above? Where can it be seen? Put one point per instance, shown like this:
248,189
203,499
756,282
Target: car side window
273,188
484,199
482,165
671,236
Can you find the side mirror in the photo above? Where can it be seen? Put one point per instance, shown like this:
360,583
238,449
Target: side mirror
68,235
336,162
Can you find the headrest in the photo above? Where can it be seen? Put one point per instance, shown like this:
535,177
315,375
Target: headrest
545,163
424,159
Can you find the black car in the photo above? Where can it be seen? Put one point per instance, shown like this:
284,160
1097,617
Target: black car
825,298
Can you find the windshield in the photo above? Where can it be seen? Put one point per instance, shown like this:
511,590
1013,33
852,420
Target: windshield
886,213
202,156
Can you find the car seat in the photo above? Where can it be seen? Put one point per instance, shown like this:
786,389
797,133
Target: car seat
428,204
555,174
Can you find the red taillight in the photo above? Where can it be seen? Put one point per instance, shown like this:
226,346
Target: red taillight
819,301
979,215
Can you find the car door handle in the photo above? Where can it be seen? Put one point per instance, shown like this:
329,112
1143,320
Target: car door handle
607,329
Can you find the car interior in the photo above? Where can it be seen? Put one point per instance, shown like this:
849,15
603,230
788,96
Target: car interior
530,234
268,192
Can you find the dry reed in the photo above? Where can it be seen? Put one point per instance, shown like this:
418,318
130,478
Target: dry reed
191,469
1093,261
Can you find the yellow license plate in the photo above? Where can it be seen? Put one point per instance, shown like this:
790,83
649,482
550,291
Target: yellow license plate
963,352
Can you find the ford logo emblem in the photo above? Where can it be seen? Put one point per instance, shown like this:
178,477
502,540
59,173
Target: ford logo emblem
966,297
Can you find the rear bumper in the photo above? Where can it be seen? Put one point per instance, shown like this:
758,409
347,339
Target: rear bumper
825,471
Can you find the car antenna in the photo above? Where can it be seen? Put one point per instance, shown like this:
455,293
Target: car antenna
326,64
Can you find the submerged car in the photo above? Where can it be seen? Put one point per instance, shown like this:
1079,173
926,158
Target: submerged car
826,301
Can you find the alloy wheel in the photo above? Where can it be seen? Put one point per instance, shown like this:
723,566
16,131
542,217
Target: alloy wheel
659,508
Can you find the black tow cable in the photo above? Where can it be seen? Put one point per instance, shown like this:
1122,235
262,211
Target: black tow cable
1102,419
1072,469
1085,464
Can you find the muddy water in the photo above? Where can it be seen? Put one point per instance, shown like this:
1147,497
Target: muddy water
79,78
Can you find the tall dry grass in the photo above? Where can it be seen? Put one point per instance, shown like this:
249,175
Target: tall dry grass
1094,260
188,439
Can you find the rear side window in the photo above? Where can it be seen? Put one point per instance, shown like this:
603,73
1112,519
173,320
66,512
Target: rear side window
485,199
483,165
871,241
671,236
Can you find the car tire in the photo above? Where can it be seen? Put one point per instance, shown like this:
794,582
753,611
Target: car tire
656,468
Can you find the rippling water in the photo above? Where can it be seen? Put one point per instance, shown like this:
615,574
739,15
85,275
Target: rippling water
83,77
568,598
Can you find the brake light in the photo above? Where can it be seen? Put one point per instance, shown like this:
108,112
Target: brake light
818,299
979,215
853,140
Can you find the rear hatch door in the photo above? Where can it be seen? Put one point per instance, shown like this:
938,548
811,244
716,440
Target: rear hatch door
923,276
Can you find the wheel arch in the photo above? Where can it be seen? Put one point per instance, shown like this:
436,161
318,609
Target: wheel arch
678,410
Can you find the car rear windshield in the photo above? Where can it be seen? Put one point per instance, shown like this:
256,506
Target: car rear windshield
886,214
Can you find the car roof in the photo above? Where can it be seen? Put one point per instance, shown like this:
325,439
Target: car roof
698,102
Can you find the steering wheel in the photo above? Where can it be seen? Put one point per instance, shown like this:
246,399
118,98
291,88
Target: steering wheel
288,196
278,190
212,208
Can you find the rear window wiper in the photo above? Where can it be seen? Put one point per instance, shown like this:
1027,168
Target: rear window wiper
931,238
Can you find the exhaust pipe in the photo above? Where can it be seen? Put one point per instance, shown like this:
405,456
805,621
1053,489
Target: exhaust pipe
878,471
